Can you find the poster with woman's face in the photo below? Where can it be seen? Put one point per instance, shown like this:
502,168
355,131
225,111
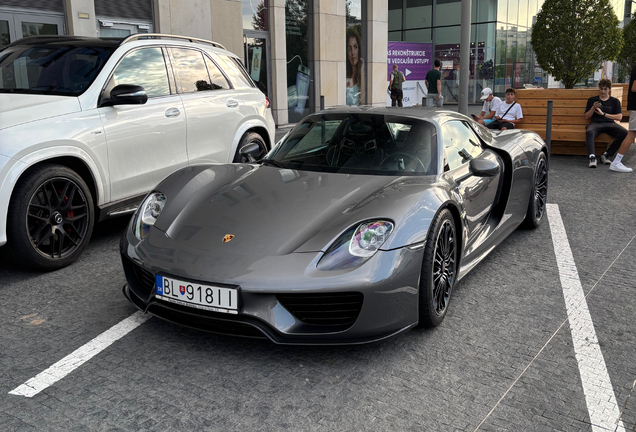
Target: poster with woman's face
355,64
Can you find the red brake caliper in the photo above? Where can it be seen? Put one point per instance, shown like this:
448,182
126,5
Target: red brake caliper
70,213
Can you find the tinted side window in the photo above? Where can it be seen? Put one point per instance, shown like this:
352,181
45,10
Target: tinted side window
216,77
237,73
144,67
460,143
192,75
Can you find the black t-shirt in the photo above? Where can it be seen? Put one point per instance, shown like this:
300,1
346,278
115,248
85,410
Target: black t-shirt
631,96
610,106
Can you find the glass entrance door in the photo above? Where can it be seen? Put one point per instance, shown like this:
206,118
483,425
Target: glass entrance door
7,29
257,62
14,26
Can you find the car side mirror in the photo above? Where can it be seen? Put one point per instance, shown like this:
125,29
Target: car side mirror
484,167
251,152
126,94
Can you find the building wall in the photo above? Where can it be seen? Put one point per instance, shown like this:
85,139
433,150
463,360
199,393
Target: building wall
80,15
217,20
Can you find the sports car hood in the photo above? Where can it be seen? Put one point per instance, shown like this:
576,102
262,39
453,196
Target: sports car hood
272,211
18,108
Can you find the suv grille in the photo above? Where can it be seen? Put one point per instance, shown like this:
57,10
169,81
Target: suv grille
329,309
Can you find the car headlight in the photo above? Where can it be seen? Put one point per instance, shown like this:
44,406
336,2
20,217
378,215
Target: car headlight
356,245
147,214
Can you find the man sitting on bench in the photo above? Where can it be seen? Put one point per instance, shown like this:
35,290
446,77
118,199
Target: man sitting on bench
602,111
508,114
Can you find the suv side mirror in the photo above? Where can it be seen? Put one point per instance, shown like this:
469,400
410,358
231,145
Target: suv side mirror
126,94
251,152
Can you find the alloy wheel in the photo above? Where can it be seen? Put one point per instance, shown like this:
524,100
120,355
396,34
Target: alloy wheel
57,218
444,266
540,189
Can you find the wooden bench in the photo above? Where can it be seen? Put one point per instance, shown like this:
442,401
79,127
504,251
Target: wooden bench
568,117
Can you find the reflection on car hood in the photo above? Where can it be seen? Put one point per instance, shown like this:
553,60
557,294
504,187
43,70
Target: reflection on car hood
18,108
272,211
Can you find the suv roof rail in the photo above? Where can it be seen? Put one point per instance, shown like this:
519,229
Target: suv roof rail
137,36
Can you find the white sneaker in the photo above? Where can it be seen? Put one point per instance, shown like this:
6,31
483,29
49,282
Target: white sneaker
619,167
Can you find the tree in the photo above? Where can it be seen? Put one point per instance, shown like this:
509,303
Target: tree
572,37
627,57
486,70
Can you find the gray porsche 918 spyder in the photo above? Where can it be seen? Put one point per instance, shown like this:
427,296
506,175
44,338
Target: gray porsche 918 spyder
356,226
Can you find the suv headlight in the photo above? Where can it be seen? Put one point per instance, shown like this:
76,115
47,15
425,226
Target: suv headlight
356,245
147,214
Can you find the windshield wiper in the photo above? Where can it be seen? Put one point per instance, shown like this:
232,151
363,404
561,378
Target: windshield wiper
271,162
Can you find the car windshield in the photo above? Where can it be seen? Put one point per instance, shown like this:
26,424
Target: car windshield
359,144
50,68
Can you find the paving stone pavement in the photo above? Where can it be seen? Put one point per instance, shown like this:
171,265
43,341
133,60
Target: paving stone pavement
162,377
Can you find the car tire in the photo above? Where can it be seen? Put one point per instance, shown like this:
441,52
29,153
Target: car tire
250,138
439,270
538,194
50,218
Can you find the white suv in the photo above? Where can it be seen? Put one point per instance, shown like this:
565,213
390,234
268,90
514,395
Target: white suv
88,126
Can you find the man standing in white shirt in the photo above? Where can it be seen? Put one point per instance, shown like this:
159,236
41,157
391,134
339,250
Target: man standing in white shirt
488,111
508,114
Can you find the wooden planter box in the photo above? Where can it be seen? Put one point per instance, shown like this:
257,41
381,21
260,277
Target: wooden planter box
568,117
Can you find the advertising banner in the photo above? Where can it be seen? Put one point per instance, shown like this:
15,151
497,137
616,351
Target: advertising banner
255,73
414,60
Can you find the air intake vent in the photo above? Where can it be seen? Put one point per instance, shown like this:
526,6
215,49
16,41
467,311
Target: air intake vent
328,309
145,278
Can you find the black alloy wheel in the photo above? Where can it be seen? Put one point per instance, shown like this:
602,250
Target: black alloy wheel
247,139
439,270
50,218
538,195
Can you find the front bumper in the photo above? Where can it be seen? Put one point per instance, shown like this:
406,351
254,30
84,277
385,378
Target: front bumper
381,294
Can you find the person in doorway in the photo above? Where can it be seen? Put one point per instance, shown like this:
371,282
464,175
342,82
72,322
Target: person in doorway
617,163
433,83
395,86
355,68
508,114
488,111
603,111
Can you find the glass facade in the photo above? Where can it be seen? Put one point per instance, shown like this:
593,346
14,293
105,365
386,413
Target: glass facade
299,39
500,50
255,14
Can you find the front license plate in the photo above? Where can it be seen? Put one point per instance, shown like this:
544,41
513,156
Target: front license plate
208,297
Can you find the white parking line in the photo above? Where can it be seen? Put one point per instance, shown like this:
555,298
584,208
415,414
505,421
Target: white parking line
597,386
80,356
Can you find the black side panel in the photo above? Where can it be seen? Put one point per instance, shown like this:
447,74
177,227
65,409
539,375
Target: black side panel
503,193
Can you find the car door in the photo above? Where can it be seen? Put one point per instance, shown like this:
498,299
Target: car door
478,193
212,107
145,142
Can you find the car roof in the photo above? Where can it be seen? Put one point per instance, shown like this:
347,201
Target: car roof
423,113
68,40
112,42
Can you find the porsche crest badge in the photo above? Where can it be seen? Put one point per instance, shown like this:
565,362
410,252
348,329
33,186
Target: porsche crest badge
228,237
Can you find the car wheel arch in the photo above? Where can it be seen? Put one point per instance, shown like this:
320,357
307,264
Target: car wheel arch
245,128
74,163
459,227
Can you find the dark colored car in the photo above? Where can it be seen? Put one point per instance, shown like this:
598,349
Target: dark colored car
354,228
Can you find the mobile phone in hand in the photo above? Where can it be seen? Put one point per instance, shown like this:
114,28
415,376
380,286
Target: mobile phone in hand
474,116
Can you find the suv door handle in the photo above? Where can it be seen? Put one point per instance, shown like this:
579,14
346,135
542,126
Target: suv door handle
232,103
172,112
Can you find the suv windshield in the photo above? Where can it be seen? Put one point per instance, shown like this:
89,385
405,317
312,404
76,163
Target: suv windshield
360,144
51,68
